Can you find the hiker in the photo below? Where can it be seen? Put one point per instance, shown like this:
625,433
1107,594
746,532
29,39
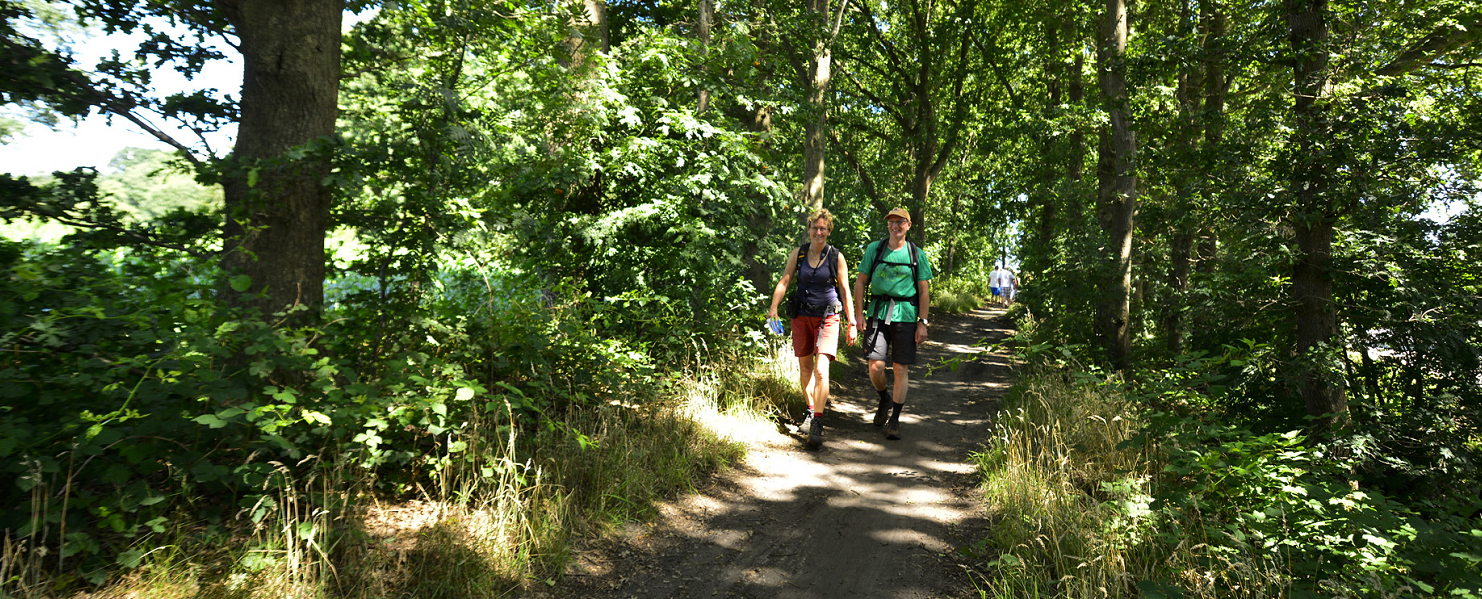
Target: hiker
1011,283
993,282
894,277
815,310
1004,283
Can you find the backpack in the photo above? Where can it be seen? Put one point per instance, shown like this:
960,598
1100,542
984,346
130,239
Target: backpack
830,259
880,250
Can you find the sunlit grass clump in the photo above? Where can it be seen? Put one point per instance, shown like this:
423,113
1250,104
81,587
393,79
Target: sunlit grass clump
1069,508
957,294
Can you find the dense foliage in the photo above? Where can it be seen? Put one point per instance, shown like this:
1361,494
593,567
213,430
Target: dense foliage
530,209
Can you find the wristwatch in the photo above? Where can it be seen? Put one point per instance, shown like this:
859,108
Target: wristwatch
923,321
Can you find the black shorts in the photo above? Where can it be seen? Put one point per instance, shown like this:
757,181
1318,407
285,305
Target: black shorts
896,340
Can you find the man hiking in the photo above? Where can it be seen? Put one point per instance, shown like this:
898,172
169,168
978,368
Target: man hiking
893,284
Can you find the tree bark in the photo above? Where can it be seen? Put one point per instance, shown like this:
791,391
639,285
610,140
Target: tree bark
1117,190
815,130
1049,203
1314,217
588,32
707,17
1075,161
277,208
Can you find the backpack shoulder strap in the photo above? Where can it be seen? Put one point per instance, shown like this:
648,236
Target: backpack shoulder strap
880,249
912,250
798,267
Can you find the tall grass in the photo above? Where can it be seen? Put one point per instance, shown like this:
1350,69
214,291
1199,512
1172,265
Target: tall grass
487,529
958,294
1069,509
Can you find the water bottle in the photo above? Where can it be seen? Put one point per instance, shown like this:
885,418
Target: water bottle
774,325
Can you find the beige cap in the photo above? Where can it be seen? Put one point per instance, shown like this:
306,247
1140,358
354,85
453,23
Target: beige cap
901,212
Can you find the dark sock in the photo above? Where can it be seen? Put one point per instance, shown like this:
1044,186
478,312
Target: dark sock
884,395
895,411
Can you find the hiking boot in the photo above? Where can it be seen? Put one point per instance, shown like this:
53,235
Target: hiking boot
893,430
807,424
815,432
882,412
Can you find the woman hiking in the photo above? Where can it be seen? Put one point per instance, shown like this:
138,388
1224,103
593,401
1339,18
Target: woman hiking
817,307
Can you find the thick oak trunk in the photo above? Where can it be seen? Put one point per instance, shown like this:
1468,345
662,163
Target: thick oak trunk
276,204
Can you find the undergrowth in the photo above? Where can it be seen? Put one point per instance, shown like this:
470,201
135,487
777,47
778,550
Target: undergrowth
156,444
1100,488
957,294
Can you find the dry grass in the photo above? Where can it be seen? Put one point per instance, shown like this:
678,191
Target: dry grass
1070,510
1073,514
487,529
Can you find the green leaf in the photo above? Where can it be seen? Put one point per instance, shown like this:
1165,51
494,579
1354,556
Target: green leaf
313,417
464,394
210,420
130,558
241,283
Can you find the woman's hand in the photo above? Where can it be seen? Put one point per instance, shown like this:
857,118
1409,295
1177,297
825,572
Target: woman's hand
849,335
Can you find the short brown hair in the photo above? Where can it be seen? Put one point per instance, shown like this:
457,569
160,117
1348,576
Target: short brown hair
824,214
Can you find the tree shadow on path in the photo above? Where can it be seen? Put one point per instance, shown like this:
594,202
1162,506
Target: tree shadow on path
861,517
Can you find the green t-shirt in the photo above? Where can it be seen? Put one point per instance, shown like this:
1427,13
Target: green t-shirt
893,277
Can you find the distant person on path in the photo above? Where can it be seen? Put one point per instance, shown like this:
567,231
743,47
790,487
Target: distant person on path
993,282
823,291
892,300
1012,286
1003,281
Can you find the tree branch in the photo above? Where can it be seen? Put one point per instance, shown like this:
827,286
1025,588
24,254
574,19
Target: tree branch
1439,43
1455,65
890,109
864,177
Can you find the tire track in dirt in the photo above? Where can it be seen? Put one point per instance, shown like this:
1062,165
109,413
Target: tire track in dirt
862,517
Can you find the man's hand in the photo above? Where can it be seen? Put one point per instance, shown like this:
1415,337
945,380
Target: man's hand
920,333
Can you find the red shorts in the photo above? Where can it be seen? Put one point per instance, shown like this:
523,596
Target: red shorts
815,335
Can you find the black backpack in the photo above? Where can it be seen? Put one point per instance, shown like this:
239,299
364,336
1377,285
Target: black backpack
915,297
830,259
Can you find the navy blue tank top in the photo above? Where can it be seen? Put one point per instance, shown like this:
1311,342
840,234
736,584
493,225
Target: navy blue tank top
817,290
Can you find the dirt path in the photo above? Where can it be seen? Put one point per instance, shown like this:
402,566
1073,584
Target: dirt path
862,517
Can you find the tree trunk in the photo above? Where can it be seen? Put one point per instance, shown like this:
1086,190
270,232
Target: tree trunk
1216,87
1190,92
1075,162
1178,285
277,208
707,17
1313,218
588,33
815,130
1117,196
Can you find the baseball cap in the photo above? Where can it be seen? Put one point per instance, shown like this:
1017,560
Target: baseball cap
901,212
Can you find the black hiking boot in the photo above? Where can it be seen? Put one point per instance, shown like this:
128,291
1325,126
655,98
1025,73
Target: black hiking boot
883,412
815,431
893,429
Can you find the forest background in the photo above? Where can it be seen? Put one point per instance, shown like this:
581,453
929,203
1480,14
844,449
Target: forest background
494,254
